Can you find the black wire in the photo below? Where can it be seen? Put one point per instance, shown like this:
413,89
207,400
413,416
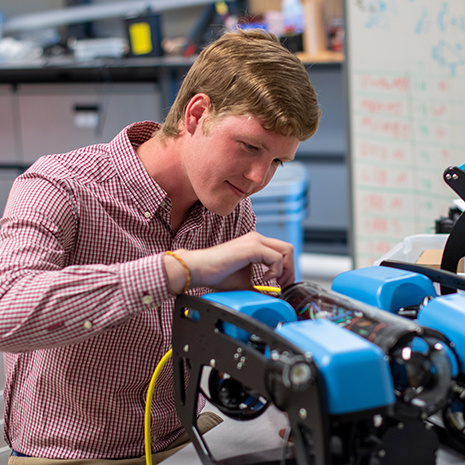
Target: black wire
286,436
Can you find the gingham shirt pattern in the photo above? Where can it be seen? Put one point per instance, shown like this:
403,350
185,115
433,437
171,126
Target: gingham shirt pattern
85,312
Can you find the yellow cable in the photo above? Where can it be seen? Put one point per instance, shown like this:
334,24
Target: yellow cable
147,433
277,290
156,373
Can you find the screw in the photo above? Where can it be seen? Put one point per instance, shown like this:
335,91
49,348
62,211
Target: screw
303,413
186,348
300,374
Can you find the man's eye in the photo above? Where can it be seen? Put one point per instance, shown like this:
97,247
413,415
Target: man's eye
250,147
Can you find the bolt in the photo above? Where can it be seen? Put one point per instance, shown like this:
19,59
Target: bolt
212,363
381,453
303,413
186,348
300,374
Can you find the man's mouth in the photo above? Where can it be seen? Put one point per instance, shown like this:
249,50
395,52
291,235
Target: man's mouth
239,192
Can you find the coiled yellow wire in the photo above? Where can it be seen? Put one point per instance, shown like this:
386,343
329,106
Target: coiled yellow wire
147,433
153,381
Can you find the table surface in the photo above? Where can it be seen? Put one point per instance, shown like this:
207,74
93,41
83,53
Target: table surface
232,438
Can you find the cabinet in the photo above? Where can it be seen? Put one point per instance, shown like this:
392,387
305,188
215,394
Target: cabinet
38,119
61,117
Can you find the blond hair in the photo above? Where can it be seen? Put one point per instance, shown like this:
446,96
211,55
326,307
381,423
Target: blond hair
250,73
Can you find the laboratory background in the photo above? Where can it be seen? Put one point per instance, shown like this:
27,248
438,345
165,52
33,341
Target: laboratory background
372,184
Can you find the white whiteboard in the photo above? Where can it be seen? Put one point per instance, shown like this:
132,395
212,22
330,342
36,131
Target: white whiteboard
406,82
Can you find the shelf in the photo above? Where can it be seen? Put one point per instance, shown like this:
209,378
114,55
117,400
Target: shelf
82,13
323,57
67,69
98,70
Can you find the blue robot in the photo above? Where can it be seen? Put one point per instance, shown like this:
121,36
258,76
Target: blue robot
337,386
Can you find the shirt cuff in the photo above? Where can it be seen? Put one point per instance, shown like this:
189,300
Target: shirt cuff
144,284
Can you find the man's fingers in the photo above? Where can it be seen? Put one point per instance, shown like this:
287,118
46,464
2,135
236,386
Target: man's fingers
229,265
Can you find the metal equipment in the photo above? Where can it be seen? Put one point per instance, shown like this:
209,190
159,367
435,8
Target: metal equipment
336,386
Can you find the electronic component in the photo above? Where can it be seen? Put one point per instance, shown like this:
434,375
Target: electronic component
441,313
418,359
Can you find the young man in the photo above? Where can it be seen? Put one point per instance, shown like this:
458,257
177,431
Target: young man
86,286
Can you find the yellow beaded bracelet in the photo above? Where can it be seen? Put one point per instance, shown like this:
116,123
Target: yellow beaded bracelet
186,268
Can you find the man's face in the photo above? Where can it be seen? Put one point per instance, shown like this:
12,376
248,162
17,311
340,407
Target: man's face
233,157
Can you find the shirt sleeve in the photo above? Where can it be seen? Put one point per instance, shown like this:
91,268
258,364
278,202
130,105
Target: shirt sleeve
47,301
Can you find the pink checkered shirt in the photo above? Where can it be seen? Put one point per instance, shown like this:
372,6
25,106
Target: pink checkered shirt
85,313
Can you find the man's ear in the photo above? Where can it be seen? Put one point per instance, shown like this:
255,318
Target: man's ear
197,107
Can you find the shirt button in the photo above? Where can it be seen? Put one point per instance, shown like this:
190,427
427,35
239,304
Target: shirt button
148,215
162,204
147,299
88,324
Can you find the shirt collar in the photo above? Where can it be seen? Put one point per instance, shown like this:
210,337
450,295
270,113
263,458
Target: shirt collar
148,195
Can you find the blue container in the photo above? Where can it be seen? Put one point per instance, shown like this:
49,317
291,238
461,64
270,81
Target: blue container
289,184
281,207
264,308
356,373
387,288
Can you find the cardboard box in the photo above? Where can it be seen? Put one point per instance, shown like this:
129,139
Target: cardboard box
259,7
315,34
433,258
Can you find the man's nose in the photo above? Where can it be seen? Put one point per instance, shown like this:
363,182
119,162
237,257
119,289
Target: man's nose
259,173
